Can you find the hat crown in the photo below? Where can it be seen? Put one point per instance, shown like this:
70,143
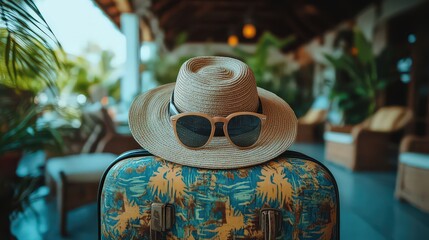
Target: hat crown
217,86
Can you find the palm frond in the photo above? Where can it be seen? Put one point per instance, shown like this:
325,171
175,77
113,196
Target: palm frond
26,133
28,47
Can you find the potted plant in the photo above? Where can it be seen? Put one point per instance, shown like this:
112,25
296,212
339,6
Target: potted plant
272,76
29,63
79,74
358,80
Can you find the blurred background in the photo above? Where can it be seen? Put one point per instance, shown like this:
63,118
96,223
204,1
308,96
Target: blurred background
356,74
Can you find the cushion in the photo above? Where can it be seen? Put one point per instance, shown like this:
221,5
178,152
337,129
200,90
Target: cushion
313,116
418,160
386,119
338,137
87,167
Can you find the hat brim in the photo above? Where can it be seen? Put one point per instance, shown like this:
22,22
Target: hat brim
151,127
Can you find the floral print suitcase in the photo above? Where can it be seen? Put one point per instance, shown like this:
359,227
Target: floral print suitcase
145,197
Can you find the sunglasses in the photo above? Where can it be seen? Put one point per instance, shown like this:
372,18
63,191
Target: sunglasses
195,130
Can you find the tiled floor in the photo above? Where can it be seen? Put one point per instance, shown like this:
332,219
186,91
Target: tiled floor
368,207
368,210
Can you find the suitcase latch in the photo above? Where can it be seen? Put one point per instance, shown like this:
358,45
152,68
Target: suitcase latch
270,220
162,217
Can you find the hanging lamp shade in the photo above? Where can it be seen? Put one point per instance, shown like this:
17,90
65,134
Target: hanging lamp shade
249,30
232,40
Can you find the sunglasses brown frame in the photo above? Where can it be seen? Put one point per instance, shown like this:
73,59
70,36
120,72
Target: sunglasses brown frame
213,121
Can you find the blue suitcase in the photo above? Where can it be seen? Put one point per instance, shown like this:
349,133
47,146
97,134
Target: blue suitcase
145,197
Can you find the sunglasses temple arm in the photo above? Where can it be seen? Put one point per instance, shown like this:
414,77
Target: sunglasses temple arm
172,110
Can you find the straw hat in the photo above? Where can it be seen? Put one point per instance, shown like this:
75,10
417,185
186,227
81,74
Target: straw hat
217,86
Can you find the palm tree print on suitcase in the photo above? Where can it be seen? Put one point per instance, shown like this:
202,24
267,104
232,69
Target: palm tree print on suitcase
219,204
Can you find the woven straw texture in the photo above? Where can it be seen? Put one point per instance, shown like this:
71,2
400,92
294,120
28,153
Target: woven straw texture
217,86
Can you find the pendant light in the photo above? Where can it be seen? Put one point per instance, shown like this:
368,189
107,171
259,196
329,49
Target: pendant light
232,40
249,30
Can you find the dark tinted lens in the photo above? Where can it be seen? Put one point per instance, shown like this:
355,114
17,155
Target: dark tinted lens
193,131
244,130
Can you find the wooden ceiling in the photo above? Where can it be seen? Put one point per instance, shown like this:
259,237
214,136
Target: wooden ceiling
215,20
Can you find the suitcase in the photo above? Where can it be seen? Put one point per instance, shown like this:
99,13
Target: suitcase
145,197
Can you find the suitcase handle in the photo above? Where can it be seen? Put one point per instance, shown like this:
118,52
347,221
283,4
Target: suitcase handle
161,219
271,223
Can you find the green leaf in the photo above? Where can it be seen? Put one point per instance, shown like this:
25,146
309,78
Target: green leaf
361,80
364,47
381,84
30,59
181,39
7,55
361,90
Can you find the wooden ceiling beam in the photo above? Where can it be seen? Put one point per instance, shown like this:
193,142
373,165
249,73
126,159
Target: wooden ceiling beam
210,30
104,2
123,6
213,19
243,4
307,23
295,22
109,4
218,18
282,26
161,6
229,18
175,14
112,11
264,22
200,8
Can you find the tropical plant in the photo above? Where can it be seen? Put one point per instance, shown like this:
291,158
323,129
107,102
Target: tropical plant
166,70
19,128
29,63
165,67
20,131
258,60
15,196
80,74
27,47
273,76
358,80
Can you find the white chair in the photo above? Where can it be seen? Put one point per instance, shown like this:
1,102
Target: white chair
75,177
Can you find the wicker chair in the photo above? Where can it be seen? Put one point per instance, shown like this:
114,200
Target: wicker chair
310,126
75,177
366,146
412,182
